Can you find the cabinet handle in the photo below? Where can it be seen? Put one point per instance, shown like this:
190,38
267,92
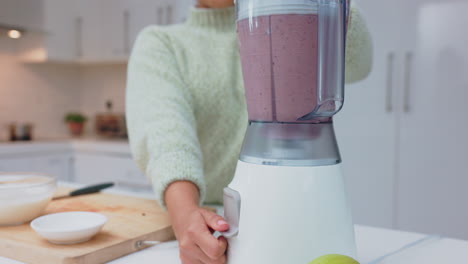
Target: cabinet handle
389,92
169,15
159,15
407,87
126,29
79,36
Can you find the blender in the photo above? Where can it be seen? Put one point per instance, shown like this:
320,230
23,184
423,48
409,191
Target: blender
287,201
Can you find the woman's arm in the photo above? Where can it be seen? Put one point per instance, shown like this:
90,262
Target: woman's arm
160,115
163,136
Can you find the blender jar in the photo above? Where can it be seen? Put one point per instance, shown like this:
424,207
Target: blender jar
292,54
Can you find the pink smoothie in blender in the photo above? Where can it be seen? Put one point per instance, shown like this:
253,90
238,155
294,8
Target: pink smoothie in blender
280,56
280,61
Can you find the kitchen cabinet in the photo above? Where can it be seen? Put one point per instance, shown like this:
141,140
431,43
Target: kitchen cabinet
433,173
402,131
366,126
92,168
8,11
57,165
62,41
84,162
138,14
21,13
99,31
110,27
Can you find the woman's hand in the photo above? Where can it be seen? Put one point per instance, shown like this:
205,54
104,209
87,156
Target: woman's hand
194,226
197,243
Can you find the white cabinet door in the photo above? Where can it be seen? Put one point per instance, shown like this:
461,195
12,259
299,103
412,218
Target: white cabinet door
144,13
108,30
8,11
95,31
29,14
433,176
59,166
118,29
64,30
110,27
92,17
96,168
16,165
366,126
21,13
56,165
134,15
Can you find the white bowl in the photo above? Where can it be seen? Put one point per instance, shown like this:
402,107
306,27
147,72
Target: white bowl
23,196
70,227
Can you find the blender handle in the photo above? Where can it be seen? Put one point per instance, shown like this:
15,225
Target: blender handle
389,92
407,87
232,205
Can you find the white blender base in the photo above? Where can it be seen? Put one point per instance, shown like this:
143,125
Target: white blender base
290,215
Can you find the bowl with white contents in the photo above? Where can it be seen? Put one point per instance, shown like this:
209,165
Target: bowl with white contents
24,196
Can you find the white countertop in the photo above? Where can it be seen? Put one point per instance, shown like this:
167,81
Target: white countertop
118,147
374,246
372,243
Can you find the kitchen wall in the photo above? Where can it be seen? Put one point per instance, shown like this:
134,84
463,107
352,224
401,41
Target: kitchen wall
101,83
39,94
43,93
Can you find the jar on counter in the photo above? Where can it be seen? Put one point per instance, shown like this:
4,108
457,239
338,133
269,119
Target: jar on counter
20,132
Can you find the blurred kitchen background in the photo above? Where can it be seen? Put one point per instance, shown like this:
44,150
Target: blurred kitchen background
402,133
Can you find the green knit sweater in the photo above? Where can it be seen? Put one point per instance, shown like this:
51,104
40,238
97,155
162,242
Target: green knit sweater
185,100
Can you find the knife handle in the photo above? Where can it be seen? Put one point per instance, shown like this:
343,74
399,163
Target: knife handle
91,189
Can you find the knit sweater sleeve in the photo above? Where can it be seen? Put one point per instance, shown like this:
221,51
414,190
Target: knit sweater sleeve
359,50
161,123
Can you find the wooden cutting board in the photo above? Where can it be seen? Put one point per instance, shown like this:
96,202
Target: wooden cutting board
130,220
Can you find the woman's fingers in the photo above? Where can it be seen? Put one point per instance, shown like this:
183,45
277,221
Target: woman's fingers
187,260
212,247
215,221
197,243
194,252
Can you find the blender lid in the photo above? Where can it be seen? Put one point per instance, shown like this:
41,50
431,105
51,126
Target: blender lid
250,8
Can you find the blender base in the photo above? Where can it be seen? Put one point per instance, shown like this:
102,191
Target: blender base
288,214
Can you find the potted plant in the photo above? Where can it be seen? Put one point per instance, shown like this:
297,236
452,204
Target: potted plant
76,122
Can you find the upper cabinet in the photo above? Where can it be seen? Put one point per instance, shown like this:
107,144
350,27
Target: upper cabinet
62,39
25,14
99,31
402,131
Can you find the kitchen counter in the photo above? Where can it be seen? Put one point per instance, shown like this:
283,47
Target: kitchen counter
119,147
373,244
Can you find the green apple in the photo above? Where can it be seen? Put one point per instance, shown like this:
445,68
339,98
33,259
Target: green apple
334,259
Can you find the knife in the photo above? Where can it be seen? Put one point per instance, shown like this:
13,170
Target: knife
86,190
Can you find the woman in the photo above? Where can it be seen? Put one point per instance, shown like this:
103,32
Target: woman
187,116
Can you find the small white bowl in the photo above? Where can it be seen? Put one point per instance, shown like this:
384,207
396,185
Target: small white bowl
70,227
